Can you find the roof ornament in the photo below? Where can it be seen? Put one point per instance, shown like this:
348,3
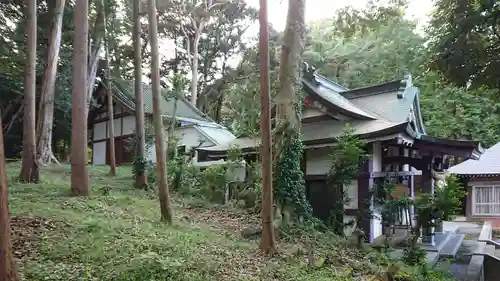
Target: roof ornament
406,83
308,71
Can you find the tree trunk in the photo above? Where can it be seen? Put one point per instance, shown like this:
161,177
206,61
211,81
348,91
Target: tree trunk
171,129
289,73
29,168
93,57
194,73
141,177
268,241
161,172
79,155
8,269
112,158
290,63
46,108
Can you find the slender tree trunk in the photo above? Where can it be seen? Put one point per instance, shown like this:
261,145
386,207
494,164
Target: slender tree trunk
194,73
112,158
79,156
161,172
289,73
141,177
29,168
13,119
8,269
171,129
95,49
46,107
267,241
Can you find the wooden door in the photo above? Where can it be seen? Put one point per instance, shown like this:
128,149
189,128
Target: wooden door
321,200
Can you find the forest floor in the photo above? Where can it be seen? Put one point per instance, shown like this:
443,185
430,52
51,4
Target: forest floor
118,236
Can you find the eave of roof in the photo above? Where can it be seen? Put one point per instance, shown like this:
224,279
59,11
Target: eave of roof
323,132
487,164
334,101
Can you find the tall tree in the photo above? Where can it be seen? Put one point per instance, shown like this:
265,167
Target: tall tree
29,168
161,172
289,181
267,242
198,14
464,39
46,106
356,47
8,270
98,33
111,126
79,155
141,178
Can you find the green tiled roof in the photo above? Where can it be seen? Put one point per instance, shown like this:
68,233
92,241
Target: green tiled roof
387,106
123,90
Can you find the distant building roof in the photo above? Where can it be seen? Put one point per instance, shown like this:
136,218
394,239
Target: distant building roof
123,90
488,164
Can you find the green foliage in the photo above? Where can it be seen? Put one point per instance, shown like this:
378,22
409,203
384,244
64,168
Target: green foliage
414,255
143,165
214,183
459,112
251,195
117,237
347,156
464,39
363,47
449,197
288,182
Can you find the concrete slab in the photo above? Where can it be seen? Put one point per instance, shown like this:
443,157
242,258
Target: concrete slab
451,247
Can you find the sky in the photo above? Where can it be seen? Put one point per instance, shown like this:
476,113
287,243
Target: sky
320,9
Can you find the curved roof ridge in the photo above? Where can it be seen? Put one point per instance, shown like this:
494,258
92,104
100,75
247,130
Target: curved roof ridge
335,99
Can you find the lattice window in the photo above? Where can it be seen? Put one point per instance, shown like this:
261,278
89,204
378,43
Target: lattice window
486,200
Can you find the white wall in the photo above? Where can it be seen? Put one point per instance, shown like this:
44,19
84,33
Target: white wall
348,230
318,161
352,192
101,132
376,221
191,137
188,136
99,153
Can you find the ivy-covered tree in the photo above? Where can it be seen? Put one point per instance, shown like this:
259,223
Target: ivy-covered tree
288,176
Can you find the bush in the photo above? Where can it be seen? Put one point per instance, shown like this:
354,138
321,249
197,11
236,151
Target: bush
142,164
214,183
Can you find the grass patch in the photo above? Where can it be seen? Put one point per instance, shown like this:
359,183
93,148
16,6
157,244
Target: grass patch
118,236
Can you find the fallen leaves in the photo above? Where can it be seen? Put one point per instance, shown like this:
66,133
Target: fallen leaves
26,234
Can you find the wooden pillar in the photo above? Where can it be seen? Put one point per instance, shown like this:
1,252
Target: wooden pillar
427,186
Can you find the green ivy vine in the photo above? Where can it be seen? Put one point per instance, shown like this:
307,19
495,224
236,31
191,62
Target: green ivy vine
288,182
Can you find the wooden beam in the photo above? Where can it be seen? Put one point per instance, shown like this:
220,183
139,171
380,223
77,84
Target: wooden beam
394,174
417,163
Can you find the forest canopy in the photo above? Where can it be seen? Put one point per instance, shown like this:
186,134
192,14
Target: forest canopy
355,47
